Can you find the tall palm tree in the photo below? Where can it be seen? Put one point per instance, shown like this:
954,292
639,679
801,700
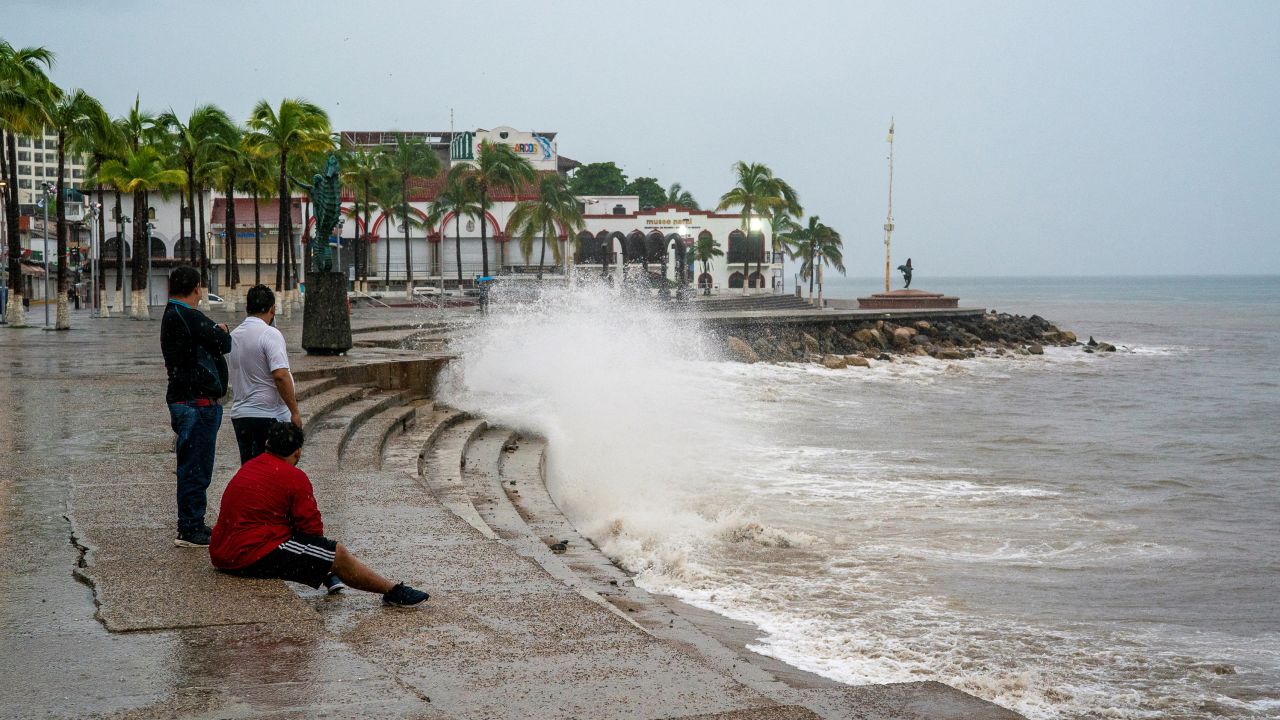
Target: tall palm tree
758,191
410,157
24,86
362,169
296,128
456,199
72,116
194,142
230,167
705,250
678,196
140,130
816,244
259,182
102,143
495,167
555,208
386,195
139,172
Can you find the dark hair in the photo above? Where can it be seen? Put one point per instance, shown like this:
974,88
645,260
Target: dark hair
284,438
183,280
259,299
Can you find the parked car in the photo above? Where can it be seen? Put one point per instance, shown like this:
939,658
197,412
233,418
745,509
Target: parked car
426,291
216,302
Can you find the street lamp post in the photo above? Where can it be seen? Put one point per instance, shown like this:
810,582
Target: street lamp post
150,226
94,209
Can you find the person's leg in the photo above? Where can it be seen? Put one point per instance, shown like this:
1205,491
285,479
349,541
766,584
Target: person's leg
183,419
357,574
251,436
195,465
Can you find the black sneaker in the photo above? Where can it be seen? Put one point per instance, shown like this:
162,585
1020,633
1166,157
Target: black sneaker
194,538
404,596
333,584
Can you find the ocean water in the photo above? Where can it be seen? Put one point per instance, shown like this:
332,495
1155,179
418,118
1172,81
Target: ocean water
1070,536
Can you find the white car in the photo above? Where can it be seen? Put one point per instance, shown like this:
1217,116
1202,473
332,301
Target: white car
215,301
426,291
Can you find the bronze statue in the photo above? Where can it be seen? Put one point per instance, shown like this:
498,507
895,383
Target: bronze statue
326,194
906,273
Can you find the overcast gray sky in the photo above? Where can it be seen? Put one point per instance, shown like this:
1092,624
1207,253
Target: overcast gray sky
1032,137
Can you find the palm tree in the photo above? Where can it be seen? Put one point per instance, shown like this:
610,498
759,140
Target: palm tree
706,249
139,129
455,198
72,116
139,172
259,182
757,190
296,128
678,196
23,88
362,169
194,143
102,143
781,224
556,207
410,157
386,195
230,167
816,244
496,167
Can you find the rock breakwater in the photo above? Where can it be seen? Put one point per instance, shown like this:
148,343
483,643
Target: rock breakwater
847,343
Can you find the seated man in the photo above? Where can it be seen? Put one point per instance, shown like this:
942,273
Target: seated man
269,527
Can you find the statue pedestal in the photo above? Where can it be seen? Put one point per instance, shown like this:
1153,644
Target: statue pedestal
908,300
326,314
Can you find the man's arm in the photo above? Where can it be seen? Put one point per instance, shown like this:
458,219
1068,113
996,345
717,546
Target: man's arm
215,337
284,386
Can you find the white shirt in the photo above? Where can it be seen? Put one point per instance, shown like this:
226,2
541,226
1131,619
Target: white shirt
257,349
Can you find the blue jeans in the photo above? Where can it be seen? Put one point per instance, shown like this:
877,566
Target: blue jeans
197,430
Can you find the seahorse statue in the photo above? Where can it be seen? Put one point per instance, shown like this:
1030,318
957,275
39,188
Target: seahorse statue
906,273
325,190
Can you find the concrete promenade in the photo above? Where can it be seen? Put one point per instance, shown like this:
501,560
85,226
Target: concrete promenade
102,617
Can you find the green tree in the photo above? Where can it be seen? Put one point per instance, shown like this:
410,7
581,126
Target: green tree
757,190
705,250
140,130
555,208
602,178
295,128
678,196
71,115
362,170
24,88
815,244
455,198
194,142
410,157
230,167
496,167
651,193
102,143
259,182
386,195
139,172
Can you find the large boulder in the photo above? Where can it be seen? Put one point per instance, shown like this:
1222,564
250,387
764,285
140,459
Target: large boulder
1035,349
742,352
835,362
857,361
902,336
1067,336
811,345
869,336
949,354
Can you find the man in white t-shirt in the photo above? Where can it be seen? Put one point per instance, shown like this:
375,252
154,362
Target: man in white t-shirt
260,377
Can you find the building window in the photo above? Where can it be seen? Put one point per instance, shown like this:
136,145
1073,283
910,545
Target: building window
24,155
39,144
24,183
24,169
39,171
24,142
77,172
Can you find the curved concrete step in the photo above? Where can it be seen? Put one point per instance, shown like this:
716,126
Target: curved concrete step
404,452
328,433
320,404
441,470
364,447
304,389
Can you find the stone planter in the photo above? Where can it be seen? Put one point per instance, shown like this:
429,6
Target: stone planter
326,314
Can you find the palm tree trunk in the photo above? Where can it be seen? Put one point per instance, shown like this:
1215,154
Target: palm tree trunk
63,319
812,271
120,251
204,250
484,226
284,232
14,314
141,309
408,252
457,244
257,241
231,242
542,257
194,246
367,239
99,291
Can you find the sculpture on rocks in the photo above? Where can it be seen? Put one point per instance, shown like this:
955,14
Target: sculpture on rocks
326,314
906,273
325,190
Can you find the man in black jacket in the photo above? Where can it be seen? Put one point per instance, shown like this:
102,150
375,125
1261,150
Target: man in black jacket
193,346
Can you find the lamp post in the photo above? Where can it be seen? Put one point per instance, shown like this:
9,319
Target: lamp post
94,209
122,228
150,226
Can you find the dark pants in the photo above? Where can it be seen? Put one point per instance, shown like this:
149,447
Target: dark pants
251,436
197,430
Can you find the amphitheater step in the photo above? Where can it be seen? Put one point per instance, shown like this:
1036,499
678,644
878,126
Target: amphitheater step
442,471
320,404
304,389
328,433
405,452
364,447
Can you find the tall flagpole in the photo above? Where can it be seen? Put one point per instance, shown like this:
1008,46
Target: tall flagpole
888,222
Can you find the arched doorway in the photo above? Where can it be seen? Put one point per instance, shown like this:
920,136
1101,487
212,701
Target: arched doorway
112,246
757,280
185,249
158,249
704,281
735,280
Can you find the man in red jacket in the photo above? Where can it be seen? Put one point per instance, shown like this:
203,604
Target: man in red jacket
269,527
